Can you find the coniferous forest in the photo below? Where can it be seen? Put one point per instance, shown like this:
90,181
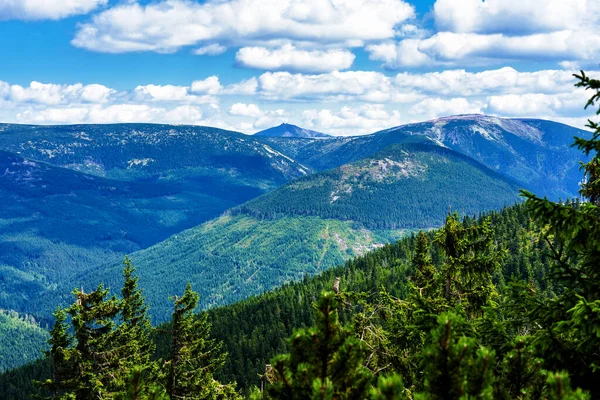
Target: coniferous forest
505,305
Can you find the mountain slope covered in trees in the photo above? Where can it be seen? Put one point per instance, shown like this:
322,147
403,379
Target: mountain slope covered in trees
314,224
21,340
403,186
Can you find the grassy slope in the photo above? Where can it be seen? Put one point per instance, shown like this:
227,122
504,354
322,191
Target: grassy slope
233,257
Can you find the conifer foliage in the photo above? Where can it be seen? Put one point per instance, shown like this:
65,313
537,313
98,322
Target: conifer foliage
110,353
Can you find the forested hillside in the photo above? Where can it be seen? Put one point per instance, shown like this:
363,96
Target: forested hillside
233,257
312,225
256,329
403,186
21,340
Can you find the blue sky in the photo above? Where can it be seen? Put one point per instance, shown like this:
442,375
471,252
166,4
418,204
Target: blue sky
340,66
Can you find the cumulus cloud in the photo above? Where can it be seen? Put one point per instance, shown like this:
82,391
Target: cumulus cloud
371,100
44,9
362,85
245,110
168,25
288,57
213,49
210,85
170,93
47,93
474,32
351,120
509,16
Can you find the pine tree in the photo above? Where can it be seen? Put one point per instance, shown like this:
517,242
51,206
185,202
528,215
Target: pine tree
60,357
325,361
425,274
194,356
134,331
95,353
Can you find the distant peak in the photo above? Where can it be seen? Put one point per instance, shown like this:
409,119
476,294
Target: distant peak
289,130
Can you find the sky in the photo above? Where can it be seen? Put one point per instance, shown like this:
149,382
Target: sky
344,67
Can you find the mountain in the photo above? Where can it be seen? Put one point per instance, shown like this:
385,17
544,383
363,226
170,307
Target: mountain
313,224
536,153
74,197
56,222
288,130
134,151
403,186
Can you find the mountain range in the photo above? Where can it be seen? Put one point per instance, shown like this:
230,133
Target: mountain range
237,215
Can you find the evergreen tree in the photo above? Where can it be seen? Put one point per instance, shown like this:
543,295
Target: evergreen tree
194,356
325,362
425,274
61,362
455,367
96,350
134,331
471,260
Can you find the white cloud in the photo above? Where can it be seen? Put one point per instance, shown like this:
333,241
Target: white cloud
363,85
246,87
491,32
288,57
45,93
46,9
519,105
450,49
245,110
459,82
438,107
351,120
213,49
210,85
158,93
509,16
168,25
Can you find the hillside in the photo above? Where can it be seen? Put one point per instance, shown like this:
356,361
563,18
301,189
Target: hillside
313,224
75,197
233,257
288,130
257,328
536,153
133,151
404,186
21,340
56,222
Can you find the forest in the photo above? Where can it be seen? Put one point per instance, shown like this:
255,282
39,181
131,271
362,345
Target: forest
503,306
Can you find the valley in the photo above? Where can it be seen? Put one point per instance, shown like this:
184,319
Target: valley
239,215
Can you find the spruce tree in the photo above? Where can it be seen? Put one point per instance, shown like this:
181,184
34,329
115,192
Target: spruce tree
325,361
471,260
134,331
425,274
194,355
96,350
61,361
